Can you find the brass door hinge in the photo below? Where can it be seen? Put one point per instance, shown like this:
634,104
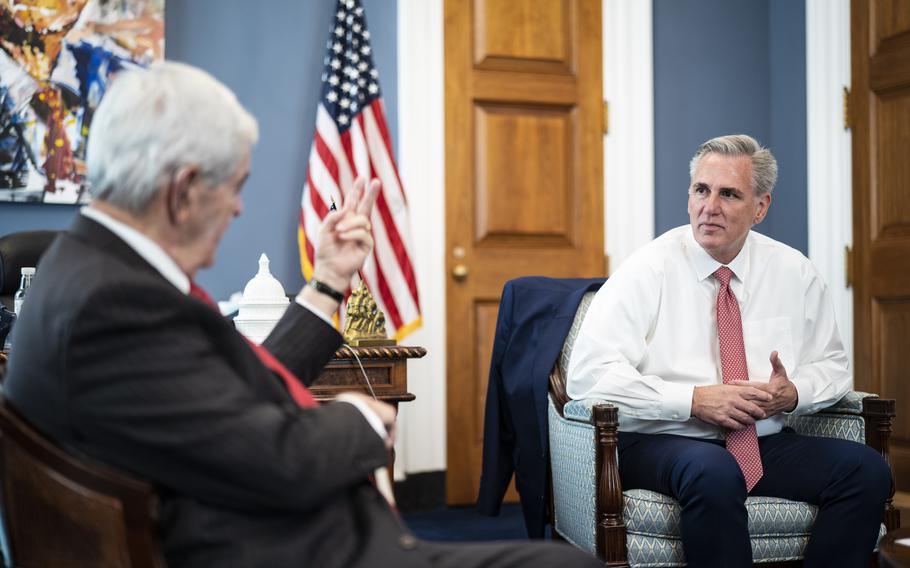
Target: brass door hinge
848,267
606,117
846,108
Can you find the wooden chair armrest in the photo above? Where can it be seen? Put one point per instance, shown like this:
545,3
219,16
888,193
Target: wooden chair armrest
610,541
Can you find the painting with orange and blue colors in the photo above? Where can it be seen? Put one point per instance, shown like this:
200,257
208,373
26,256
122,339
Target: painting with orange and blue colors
57,58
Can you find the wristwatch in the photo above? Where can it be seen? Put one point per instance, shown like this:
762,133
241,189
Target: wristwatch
327,290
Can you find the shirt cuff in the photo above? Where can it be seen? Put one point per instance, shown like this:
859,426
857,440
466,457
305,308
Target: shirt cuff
299,299
804,401
371,417
677,402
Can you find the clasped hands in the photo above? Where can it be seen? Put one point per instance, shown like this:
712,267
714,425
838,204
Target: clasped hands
738,404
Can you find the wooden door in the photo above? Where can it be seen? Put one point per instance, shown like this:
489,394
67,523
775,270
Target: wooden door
524,180
881,209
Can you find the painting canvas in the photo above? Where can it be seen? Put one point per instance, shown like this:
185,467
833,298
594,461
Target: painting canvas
57,58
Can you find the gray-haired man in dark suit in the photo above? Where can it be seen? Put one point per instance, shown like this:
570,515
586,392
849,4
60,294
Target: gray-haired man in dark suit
117,359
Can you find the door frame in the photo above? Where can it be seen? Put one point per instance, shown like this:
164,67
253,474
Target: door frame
829,160
628,155
421,444
628,86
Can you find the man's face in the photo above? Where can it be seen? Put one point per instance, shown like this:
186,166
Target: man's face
723,206
212,213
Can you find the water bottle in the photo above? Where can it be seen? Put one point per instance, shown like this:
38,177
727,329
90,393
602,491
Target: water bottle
28,272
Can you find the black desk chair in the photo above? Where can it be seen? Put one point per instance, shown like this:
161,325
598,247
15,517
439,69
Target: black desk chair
17,250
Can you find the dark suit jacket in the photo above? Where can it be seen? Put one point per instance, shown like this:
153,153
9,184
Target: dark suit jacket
535,315
114,363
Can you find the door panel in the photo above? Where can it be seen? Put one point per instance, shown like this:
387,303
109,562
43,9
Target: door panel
893,124
531,201
485,313
881,209
893,17
524,180
524,34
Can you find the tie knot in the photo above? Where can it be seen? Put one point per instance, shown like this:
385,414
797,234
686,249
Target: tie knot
199,293
723,275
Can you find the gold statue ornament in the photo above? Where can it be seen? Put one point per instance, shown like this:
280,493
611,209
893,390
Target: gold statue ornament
364,322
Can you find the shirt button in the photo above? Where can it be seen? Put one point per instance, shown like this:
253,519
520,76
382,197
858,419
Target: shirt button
407,542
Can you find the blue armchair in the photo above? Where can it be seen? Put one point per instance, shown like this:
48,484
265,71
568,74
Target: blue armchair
640,528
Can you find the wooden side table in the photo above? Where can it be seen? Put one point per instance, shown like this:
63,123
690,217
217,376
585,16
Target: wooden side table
386,368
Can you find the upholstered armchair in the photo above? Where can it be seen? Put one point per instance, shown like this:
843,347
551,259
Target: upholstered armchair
641,528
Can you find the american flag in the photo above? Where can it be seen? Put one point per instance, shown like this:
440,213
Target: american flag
351,140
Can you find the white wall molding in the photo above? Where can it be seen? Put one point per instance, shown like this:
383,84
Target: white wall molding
829,160
629,145
421,442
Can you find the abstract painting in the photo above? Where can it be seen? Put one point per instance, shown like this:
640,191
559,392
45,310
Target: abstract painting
57,58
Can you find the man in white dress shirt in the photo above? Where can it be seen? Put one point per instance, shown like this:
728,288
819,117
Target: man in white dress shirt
705,339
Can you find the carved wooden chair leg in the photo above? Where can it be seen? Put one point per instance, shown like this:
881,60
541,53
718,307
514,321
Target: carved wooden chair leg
611,530
878,415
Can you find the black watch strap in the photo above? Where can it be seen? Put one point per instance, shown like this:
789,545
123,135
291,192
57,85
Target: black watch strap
327,290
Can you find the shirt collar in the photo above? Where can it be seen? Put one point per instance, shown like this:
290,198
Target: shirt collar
145,247
705,265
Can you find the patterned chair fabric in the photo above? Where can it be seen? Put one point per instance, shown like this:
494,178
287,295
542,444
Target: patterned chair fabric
779,528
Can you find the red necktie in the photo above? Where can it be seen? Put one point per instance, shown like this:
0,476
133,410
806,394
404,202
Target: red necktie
743,444
298,390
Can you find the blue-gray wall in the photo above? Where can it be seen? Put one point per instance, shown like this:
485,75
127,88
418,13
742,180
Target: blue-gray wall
750,78
724,67
270,54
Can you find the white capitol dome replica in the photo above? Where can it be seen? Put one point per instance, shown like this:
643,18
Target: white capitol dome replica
262,305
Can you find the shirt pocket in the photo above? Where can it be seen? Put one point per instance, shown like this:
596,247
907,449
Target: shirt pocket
763,336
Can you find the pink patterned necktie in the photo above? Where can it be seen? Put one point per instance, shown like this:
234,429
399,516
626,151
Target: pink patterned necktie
743,444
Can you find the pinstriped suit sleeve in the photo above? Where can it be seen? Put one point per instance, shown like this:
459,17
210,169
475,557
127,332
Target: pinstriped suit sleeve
163,387
284,342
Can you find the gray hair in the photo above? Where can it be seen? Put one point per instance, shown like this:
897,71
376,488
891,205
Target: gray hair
764,166
153,122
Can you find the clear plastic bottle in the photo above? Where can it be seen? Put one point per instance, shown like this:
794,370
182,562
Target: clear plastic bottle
28,272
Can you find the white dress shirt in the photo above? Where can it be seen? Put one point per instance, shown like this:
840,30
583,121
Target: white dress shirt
650,335
152,253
